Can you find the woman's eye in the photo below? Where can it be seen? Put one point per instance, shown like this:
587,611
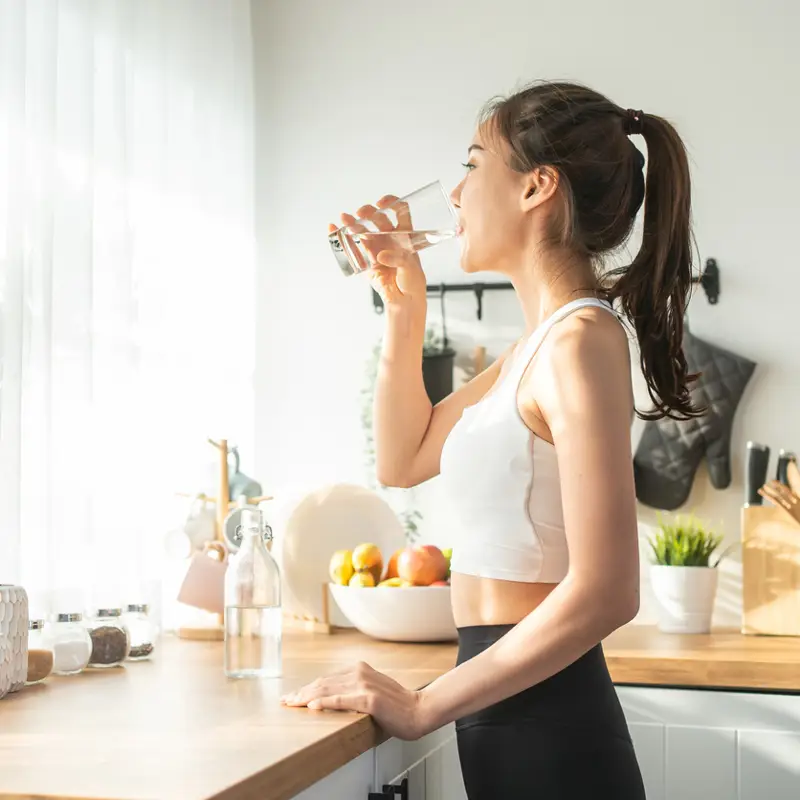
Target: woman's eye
468,167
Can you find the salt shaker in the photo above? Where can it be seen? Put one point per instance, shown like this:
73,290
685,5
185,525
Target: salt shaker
71,643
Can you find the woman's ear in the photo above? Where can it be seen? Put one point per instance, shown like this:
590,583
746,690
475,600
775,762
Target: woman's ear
538,187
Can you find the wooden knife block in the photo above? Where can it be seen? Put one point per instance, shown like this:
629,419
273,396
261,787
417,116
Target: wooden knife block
770,571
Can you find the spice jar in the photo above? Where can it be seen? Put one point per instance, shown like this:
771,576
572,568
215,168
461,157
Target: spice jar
141,631
110,640
40,652
71,644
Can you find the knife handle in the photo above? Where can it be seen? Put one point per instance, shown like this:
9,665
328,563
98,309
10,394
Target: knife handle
757,463
784,459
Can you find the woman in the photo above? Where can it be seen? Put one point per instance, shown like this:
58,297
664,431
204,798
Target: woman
535,452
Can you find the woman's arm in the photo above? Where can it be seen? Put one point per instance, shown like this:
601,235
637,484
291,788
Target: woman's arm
587,407
409,432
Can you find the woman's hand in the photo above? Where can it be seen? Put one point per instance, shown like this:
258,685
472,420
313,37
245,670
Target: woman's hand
396,273
396,709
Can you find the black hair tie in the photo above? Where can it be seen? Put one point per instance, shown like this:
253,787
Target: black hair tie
632,124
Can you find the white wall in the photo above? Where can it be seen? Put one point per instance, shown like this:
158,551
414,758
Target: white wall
355,100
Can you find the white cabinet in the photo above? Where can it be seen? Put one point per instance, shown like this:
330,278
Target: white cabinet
696,744
430,766
443,773
353,781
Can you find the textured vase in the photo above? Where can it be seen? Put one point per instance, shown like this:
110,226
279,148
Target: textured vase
14,628
5,667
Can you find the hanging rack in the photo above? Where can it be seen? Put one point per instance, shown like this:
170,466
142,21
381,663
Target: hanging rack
708,280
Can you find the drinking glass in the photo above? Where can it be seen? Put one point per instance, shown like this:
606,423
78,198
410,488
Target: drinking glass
412,223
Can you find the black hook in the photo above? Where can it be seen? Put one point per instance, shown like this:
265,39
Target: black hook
479,297
442,289
709,280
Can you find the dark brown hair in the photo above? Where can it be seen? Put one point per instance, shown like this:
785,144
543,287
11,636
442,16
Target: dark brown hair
585,138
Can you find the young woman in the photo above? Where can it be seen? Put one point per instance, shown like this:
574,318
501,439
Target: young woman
535,452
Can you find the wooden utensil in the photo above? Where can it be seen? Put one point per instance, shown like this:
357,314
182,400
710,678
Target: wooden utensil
793,477
782,496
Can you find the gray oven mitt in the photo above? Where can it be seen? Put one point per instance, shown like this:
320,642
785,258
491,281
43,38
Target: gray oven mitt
670,451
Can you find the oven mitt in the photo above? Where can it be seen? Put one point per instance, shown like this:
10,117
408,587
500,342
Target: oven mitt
670,451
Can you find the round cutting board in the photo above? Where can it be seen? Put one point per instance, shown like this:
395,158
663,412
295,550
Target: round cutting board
309,526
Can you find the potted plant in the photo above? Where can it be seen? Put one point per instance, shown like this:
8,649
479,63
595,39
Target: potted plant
408,515
683,578
438,359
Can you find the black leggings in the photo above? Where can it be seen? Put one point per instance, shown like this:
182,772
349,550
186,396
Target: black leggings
565,738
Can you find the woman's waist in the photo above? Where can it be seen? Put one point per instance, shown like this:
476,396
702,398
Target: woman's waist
478,601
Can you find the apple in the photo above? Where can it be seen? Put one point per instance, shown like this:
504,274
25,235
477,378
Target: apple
440,583
391,566
421,564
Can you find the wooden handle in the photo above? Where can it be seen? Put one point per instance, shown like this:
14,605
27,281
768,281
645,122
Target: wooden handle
224,488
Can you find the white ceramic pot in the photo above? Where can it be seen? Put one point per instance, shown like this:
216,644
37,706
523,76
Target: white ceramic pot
685,597
14,628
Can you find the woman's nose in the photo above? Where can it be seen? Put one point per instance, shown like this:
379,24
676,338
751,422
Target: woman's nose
455,195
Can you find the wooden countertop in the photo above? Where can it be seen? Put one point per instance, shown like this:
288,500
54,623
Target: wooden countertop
176,729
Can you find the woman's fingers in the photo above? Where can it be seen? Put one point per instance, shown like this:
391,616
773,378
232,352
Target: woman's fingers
342,702
378,219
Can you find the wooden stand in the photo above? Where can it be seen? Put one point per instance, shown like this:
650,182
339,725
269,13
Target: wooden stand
311,623
770,571
224,505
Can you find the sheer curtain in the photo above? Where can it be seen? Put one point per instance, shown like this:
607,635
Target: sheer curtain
126,280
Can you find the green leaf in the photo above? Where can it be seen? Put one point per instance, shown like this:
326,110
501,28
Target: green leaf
684,541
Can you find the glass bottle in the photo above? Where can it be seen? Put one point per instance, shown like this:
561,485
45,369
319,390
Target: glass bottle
40,652
141,631
253,624
72,644
110,640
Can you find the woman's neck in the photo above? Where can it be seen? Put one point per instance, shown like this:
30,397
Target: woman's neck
544,285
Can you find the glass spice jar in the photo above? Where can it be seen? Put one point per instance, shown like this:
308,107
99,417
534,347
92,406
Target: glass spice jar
110,640
141,630
71,644
40,652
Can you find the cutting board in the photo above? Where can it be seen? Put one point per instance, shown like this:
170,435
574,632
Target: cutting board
310,525
770,571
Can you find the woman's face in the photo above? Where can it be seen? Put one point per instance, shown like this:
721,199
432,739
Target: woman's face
492,208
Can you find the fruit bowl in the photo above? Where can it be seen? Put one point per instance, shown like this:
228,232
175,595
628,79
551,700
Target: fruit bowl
398,614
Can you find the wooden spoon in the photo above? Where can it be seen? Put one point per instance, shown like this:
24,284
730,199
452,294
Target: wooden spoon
793,476
782,496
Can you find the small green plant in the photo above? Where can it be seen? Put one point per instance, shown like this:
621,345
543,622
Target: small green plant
684,542
433,343
409,517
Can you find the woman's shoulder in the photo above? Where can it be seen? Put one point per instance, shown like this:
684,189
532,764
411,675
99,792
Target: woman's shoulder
586,353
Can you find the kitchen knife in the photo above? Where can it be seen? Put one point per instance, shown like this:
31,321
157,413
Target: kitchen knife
756,465
784,459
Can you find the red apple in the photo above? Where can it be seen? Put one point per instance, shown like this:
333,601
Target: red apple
440,583
422,564
391,566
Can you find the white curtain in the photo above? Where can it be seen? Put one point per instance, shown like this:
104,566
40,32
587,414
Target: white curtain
126,280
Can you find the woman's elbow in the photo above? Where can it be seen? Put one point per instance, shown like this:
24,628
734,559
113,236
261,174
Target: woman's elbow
393,478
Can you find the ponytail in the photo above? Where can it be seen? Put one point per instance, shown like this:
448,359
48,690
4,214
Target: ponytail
653,291
585,136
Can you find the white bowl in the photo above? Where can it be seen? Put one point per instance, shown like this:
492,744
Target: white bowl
398,614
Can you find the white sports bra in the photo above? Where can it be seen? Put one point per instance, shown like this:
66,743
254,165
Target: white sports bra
502,484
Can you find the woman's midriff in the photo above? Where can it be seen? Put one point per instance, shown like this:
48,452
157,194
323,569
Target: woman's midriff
487,601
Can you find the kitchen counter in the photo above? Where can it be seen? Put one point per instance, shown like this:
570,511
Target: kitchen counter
176,728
